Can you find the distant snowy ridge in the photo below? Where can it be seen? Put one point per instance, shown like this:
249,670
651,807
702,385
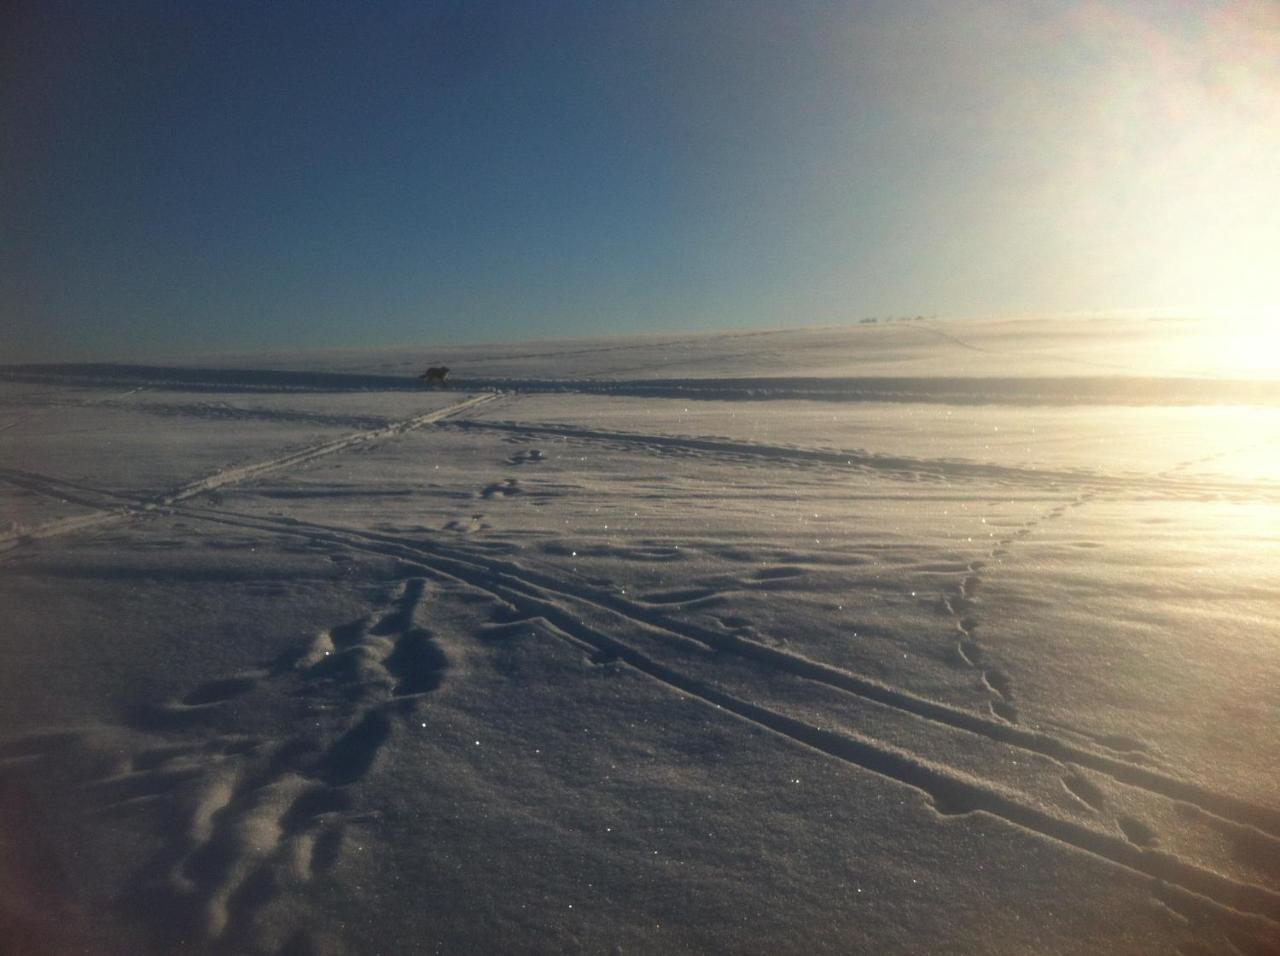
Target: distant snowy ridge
954,390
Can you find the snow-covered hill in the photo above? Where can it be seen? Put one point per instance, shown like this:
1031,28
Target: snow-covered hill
902,638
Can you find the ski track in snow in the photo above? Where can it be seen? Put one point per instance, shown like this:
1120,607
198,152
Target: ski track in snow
592,620
223,477
266,814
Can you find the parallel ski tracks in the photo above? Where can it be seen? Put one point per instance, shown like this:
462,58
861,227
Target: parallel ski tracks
591,618
113,507
564,611
232,476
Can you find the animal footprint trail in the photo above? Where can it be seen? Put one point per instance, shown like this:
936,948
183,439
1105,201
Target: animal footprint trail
644,638
263,814
962,604
1190,463
1115,756
951,791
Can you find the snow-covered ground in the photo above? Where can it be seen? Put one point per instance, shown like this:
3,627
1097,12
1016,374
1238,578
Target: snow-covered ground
906,637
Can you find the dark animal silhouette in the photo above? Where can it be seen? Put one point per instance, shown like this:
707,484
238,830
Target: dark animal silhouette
435,375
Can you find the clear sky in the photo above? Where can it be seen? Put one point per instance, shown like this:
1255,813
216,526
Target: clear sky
182,176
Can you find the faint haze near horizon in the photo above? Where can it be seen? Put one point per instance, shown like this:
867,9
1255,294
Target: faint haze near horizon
177,178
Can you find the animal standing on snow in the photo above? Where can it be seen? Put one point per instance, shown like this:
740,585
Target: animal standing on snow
435,375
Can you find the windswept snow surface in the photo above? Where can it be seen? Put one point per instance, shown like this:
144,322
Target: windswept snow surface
911,637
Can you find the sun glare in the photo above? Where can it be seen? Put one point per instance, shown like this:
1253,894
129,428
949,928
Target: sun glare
1174,174
1248,348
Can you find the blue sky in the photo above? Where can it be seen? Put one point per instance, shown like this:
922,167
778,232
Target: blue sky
179,177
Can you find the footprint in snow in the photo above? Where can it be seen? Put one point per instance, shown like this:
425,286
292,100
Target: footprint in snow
260,814
502,489
532,456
